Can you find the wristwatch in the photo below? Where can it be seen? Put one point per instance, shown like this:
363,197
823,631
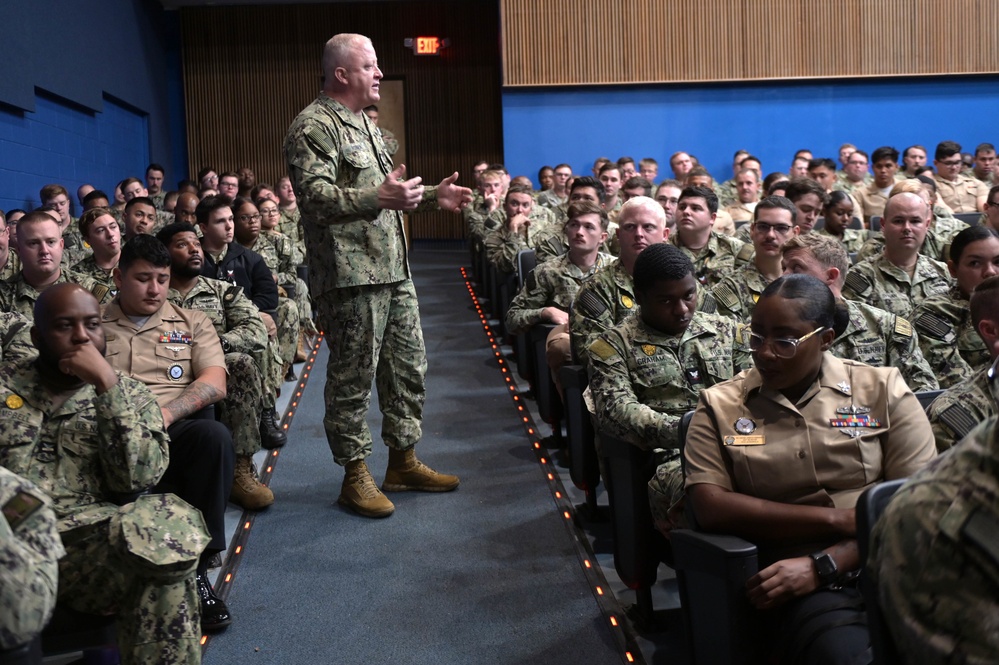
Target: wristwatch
825,566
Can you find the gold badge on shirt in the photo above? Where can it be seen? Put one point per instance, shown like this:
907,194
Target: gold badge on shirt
14,402
648,349
627,302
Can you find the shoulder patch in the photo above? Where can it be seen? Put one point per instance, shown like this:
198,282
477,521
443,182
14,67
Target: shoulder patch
590,304
858,283
746,252
602,350
320,138
232,293
100,292
531,282
903,327
934,326
12,332
958,419
724,294
708,304
982,529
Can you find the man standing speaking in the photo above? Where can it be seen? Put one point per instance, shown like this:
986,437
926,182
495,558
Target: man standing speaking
351,202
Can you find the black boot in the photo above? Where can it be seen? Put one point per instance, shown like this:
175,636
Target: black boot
290,374
271,434
214,613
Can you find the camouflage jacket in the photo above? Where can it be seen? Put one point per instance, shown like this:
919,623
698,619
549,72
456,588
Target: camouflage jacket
644,381
878,282
948,338
737,292
12,266
290,225
89,268
80,451
16,295
719,256
960,409
552,284
337,161
288,253
502,245
933,556
235,317
852,240
604,301
936,245
74,248
280,266
882,339
15,337
550,200
29,561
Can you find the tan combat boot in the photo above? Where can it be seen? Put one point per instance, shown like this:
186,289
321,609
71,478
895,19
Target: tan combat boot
360,493
302,352
405,473
247,491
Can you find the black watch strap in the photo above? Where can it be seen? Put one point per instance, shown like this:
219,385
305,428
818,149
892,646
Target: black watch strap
825,566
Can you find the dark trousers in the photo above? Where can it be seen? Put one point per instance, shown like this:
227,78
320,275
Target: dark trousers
202,461
826,627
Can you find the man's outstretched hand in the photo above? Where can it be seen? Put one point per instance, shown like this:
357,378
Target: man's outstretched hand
452,197
397,193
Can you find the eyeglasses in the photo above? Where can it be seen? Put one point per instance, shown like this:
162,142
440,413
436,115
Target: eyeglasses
250,218
269,211
779,229
952,162
782,347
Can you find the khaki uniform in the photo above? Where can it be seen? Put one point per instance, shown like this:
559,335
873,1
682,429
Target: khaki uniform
882,339
948,338
738,291
643,381
29,561
804,458
933,557
962,193
741,212
960,409
89,268
877,282
852,239
552,284
244,341
723,224
137,560
719,256
869,201
16,295
359,278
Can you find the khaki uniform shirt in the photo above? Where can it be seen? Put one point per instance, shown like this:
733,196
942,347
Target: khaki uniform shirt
16,295
719,256
934,559
723,224
869,201
804,455
741,212
336,161
551,284
167,353
948,338
962,193
960,409
878,282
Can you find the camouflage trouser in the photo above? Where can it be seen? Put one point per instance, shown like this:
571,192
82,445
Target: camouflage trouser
374,335
141,567
302,301
666,492
282,349
240,410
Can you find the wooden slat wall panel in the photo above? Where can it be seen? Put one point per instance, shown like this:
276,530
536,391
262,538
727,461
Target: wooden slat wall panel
582,42
249,70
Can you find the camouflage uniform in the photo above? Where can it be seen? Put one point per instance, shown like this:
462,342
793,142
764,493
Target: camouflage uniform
948,338
738,291
960,409
878,282
553,284
643,381
359,278
11,267
288,318
391,142
934,560
556,244
29,562
882,339
75,249
502,245
852,239
290,258
15,337
727,193
604,301
289,225
89,268
157,199
719,256
137,560
550,200
244,340
16,295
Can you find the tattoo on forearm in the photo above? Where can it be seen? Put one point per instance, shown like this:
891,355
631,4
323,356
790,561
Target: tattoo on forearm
195,397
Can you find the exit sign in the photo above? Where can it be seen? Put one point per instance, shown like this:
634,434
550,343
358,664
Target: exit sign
426,45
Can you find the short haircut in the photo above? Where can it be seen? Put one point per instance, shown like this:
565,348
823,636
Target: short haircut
802,151
771,178
255,192
990,200
817,304
778,186
563,165
544,168
210,204
821,162
670,182
743,171
638,181
496,166
827,250
739,152
155,167
928,181
884,152
647,161
660,262
88,218
35,217
371,107
95,194
799,187
49,192
205,171
492,174
968,236
861,152
610,166
984,147
144,248
847,145
589,181
139,200
749,158
985,301
128,181
228,174
167,233
577,208
514,189
621,161
947,149
776,203
706,193
698,171
181,184
643,203
905,153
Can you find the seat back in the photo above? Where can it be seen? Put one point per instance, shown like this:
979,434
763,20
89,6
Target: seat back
869,508
527,260
926,397
969,218
584,467
875,222
549,402
24,654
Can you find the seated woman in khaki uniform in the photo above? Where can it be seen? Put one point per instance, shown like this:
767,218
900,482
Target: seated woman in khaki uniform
779,455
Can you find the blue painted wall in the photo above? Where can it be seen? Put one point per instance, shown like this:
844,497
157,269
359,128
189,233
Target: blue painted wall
771,120
90,92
